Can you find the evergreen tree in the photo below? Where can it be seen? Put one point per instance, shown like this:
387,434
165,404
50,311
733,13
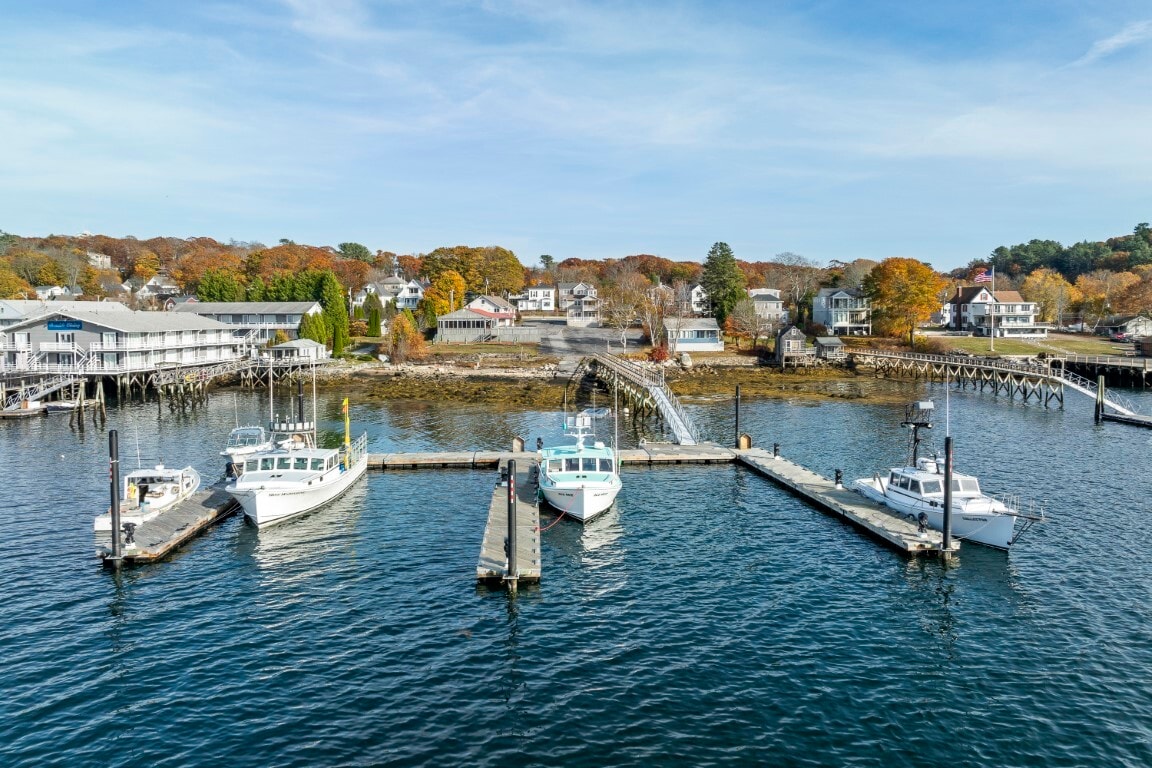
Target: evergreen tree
313,327
331,297
374,322
722,281
220,285
256,291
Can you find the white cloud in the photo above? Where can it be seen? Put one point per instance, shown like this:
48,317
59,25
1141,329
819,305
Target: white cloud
1133,34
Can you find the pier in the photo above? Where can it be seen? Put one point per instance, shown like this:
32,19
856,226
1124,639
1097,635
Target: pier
493,564
1044,381
162,535
878,521
647,392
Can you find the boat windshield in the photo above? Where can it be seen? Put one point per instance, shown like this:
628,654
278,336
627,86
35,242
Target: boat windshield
931,486
242,438
605,465
589,464
965,485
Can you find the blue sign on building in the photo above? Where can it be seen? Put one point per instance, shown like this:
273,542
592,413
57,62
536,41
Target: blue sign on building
65,325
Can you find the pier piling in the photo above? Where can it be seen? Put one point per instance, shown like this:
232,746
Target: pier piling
114,492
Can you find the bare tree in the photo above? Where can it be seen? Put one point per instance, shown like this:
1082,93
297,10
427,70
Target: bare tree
745,322
622,300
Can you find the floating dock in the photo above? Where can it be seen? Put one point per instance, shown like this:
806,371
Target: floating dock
163,534
876,520
650,453
493,565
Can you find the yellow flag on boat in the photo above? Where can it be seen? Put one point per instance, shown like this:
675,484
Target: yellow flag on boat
347,427
344,408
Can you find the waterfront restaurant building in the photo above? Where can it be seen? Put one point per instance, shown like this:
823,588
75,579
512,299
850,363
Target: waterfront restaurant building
69,342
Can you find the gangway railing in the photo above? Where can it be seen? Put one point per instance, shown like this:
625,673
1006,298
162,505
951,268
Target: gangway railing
39,390
670,408
1077,383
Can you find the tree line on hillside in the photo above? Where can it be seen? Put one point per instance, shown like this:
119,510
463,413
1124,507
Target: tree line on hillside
1092,279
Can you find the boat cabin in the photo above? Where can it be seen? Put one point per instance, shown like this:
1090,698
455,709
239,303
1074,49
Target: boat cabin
579,464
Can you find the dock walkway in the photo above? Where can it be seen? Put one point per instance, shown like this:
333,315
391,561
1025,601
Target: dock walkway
493,564
160,536
821,492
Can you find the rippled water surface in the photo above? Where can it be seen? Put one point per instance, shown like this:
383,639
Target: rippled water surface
708,619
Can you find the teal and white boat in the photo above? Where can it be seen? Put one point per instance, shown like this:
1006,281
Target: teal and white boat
581,480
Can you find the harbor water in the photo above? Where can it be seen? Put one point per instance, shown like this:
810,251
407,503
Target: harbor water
708,619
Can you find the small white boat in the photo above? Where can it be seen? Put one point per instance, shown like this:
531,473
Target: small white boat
243,442
917,491
294,476
580,480
60,406
145,493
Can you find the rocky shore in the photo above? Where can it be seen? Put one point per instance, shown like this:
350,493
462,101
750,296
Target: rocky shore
540,382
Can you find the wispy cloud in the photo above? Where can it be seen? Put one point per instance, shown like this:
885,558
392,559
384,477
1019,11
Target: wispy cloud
1133,34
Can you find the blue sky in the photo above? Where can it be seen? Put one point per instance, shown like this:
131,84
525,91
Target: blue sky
835,130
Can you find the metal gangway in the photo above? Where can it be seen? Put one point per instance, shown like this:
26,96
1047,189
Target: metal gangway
683,430
38,389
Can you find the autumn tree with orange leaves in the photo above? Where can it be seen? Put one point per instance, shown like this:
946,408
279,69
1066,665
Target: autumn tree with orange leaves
904,293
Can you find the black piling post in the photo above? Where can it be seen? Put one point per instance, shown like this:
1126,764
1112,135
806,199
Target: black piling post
1099,399
947,542
839,478
512,574
114,487
775,450
737,416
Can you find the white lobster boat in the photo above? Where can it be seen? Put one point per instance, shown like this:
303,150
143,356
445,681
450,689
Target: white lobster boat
146,493
294,476
917,491
580,480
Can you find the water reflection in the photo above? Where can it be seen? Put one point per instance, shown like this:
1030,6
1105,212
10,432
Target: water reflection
330,531
595,544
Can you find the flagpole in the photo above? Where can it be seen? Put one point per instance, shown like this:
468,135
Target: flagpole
992,309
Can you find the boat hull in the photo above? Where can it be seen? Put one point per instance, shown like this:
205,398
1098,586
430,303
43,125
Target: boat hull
581,502
271,503
988,527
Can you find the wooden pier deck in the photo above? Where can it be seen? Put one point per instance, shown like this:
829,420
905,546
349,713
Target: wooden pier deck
1135,419
650,453
493,564
162,535
821,492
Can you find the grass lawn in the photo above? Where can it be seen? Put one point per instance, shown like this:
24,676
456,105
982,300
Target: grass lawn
1071,343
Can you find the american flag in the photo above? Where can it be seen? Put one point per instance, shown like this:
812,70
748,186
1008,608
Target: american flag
983,277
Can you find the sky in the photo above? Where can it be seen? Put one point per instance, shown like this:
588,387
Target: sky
832,129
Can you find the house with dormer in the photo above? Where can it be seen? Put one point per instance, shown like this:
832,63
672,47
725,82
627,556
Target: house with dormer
766,303
567,293
1005,314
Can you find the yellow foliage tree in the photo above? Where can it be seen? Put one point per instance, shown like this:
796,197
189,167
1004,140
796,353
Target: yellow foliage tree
1051,293
446,294
404,340
1100,287
904,293
12,286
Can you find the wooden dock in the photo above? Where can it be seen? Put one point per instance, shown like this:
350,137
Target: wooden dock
1135,420
493,564
162,535
876,520
650,453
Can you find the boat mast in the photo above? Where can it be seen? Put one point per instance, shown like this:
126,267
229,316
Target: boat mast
918,416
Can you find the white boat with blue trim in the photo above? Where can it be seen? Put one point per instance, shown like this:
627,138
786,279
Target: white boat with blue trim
580,480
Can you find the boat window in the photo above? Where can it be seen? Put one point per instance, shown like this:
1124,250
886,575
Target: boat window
284,463
965,485
902,481
589,464
605,465
251,465
571,465
317,465
892,478
331,462
914,486
267,463
301,463
931,486
555,465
